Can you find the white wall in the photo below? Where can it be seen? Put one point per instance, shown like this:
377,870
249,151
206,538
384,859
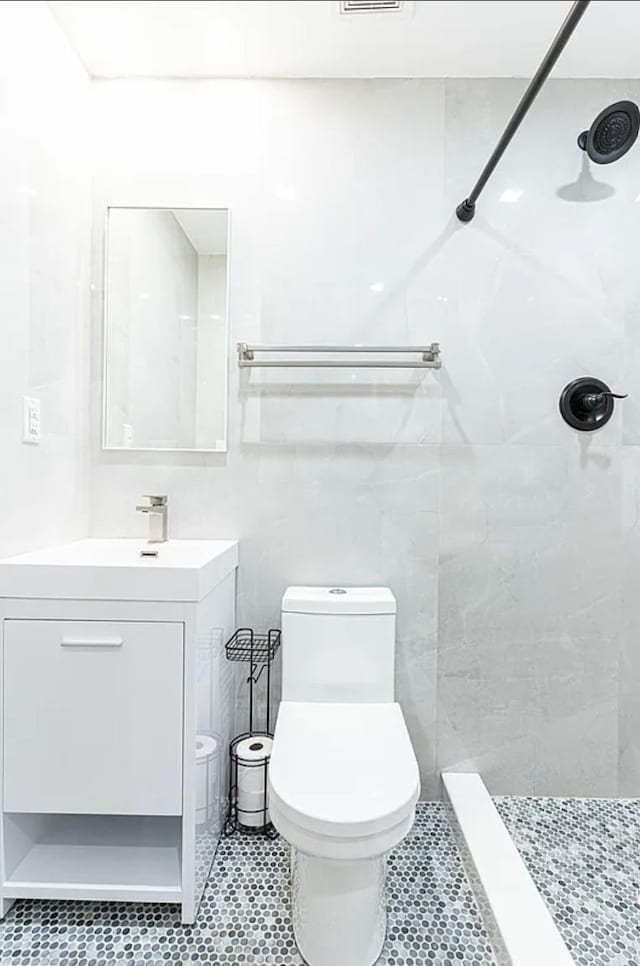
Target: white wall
499,529
44,263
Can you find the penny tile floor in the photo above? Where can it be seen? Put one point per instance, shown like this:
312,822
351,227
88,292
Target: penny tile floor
244,916
584,857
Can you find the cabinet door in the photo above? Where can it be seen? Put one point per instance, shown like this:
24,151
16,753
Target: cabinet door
92,715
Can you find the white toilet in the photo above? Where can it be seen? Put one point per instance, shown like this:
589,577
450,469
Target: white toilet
343,777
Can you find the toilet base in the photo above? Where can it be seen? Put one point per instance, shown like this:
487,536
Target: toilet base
338,909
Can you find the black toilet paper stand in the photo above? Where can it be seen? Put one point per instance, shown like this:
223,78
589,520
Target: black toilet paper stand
258,651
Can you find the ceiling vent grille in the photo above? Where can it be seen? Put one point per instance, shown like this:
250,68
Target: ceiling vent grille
371,6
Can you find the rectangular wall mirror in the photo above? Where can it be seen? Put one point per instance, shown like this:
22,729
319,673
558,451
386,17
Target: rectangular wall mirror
166,321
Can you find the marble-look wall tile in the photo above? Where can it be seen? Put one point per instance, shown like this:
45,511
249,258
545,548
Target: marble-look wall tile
529,543
576,732
331,476
486,712
629,685
536,283
530,534
416,683
529,614
497,527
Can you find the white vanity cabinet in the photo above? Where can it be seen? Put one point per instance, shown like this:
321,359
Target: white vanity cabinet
111,663
93,717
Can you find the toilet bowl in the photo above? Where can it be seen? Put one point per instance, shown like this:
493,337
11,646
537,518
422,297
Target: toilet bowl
343,777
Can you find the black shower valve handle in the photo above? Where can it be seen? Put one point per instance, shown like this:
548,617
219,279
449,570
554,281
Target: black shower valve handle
593,399
587,403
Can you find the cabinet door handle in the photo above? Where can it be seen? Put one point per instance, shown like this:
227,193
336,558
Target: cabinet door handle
91,642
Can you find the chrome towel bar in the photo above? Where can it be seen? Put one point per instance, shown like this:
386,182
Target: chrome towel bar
429,356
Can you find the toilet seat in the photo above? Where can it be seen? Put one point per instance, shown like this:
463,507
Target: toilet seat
343,778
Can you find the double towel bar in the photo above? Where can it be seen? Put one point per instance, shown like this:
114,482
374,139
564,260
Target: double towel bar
428,356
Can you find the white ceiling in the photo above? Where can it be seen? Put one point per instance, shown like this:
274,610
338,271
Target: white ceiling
206,228
309,38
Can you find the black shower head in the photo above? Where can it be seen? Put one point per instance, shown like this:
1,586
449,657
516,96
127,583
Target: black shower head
612,133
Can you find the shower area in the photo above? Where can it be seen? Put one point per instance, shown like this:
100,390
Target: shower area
573,748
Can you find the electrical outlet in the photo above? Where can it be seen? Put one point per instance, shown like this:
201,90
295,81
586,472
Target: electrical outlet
31,430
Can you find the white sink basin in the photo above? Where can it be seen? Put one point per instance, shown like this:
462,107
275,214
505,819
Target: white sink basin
184,570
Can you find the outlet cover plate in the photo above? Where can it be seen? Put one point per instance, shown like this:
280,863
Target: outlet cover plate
31,429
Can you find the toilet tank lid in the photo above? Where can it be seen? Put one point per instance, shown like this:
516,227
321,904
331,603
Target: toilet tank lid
338,600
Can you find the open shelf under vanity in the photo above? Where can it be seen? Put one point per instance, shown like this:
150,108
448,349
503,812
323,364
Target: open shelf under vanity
108,857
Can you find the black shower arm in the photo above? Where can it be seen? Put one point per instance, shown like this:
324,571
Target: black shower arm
467,209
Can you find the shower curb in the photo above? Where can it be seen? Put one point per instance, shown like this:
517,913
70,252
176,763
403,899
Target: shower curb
520,927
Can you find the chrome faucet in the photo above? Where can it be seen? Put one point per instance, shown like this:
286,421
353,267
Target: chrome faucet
158,510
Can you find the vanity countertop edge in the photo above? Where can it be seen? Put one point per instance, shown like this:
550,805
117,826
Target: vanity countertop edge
113,569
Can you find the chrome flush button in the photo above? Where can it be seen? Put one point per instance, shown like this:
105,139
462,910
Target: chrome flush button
338,590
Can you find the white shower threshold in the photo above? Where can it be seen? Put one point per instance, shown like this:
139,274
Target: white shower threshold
520,927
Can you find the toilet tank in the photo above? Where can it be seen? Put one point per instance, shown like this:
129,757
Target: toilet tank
338,644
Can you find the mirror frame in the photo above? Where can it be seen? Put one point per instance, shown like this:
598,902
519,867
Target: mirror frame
105,333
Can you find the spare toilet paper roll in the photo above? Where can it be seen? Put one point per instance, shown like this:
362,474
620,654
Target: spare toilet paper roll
252,774
206,776
206,747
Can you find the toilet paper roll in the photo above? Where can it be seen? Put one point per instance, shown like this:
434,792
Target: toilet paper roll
207,777
252,753
206,747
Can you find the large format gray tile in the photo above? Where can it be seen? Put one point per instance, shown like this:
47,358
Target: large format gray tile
505,540
629,684
486,713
